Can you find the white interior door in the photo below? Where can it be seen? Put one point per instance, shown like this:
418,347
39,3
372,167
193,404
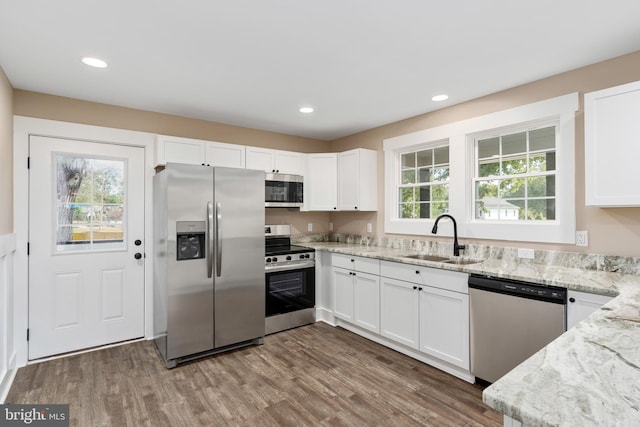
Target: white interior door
86,244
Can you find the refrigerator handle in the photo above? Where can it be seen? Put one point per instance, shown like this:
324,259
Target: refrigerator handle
209,243
218,239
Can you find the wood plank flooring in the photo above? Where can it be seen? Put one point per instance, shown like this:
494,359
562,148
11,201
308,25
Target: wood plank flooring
315,375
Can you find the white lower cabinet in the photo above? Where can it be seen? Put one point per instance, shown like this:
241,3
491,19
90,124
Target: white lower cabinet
356,292
581,305
423,309
444,325
343,294
434,321
399,312
366,309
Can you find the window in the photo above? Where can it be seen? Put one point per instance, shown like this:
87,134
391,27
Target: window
515,175
423,184
89,203
509,175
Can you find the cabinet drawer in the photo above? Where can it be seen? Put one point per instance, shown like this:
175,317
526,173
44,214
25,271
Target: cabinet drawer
356,263
443,279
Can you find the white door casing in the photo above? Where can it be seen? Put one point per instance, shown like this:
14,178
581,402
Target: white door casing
89,294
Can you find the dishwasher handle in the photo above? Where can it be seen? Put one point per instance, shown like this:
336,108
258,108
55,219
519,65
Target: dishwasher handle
552,294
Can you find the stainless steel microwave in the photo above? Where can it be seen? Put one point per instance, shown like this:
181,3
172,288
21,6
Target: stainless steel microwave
283,190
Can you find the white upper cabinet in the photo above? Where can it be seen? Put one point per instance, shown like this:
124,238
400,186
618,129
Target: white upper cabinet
321,182
179,150
172,149
357,180
612,146
277,161
229,155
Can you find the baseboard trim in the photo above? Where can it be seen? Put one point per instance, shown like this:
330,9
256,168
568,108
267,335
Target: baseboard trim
7,381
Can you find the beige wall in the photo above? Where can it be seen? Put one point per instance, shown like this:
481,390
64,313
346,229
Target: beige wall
43,106
613,231
6,155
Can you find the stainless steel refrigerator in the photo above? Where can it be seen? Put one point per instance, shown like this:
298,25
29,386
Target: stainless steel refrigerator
209,291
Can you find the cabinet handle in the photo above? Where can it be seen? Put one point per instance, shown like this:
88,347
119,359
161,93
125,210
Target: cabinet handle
417,271
419,289
355,207
334,208
352,261
415,287
572,299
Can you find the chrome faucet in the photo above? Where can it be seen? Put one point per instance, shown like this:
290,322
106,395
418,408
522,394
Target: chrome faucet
456,246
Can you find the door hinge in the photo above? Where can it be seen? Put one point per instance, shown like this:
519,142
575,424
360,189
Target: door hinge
28,162
27,334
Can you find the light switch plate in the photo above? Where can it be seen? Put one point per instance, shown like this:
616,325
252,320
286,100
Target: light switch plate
369,228
330,226
310,227
582,238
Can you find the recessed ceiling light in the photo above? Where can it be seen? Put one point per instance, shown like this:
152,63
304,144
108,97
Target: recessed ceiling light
439,98
306,110
94,62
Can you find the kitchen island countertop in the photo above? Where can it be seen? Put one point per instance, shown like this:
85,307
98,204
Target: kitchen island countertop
589,376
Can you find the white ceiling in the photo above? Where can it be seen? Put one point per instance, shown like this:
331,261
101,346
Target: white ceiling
252,63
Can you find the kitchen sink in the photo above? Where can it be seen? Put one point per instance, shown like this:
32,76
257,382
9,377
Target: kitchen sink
423,257
462,261
442,259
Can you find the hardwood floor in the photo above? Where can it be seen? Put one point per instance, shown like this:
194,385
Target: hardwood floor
315,375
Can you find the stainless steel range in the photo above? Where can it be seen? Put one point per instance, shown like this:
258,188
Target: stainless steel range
290,281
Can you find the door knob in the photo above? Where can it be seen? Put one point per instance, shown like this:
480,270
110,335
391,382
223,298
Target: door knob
138,255
138,242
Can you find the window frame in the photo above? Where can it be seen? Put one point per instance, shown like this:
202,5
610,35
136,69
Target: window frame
429,146
460,135
511,130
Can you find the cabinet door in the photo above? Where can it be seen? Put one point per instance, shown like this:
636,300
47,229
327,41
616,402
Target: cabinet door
289,162
612,126
348,174
343,284
260,159
179,150
581,305
321,182
228,155
444,325
367,301
399,311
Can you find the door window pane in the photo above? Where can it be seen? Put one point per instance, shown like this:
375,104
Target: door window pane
90,203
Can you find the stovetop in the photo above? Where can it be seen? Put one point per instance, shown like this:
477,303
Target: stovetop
286,249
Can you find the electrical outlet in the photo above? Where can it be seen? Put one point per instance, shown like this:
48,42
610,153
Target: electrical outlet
310,227
330,226
369,228
526,253
582,238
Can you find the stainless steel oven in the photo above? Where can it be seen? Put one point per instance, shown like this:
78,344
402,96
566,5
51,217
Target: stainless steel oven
290,281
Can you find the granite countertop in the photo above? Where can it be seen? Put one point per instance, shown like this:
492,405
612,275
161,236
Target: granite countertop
589,376
577,279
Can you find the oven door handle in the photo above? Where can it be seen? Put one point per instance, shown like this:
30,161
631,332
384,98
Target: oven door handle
297,266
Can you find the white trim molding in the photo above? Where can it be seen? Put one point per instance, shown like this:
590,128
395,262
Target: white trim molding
460,135
24,127
7,315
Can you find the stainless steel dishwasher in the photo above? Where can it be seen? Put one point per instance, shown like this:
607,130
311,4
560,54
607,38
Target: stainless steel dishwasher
510,321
